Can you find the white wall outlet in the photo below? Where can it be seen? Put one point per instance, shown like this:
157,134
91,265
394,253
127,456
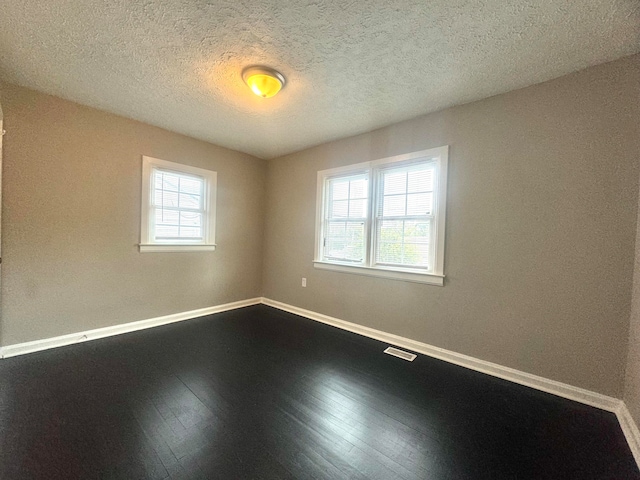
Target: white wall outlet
304,282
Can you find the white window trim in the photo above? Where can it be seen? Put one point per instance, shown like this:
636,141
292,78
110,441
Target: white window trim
440,156
146,241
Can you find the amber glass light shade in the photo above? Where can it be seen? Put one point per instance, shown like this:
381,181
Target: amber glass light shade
263,81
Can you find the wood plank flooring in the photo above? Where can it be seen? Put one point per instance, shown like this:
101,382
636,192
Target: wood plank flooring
257,393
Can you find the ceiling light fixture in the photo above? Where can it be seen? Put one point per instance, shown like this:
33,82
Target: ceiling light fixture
263,81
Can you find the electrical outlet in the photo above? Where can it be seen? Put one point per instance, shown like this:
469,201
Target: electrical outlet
304,282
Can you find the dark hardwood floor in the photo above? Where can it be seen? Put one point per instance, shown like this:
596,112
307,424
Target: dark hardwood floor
257,393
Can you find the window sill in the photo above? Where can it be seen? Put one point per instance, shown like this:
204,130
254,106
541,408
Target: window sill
407,276
157,247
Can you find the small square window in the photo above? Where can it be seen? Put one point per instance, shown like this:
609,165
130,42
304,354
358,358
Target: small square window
178,207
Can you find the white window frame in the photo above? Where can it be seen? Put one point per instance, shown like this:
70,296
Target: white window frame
435,275
148,243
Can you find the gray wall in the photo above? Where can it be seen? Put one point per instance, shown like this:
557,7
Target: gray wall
540,231
71,213
632,383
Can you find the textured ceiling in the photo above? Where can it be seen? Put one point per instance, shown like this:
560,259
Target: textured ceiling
351,66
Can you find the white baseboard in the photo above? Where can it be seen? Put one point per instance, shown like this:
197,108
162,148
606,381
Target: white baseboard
629,427
54,342
630,430
540,383
594,399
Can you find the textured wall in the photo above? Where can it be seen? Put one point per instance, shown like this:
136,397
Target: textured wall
72,219
540,230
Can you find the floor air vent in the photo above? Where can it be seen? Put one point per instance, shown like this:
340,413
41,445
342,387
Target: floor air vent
409,357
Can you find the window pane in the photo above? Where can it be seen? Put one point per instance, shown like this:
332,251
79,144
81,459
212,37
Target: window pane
169,182
390,242
167,217
395,182
166,231
190,232
339,209
420,180
347,197
190,201
190,219
416,231
157,179
357,208
157,198
415,255
172,195
191,185
355,241
419,203
339,189
358,188
344,241
168,199
394,206
336,229
404,242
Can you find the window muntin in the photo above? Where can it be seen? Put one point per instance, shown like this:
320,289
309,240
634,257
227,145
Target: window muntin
404,216
346,214
385,216
178,207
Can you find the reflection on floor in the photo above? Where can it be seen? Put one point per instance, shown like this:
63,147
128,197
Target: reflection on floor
260,393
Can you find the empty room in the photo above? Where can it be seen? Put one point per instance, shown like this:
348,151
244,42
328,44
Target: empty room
320,239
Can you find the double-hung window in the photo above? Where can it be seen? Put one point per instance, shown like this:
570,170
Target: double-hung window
178,207
385,217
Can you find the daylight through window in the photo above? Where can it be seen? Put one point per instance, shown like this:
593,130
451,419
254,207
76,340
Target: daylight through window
178,210
384,218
